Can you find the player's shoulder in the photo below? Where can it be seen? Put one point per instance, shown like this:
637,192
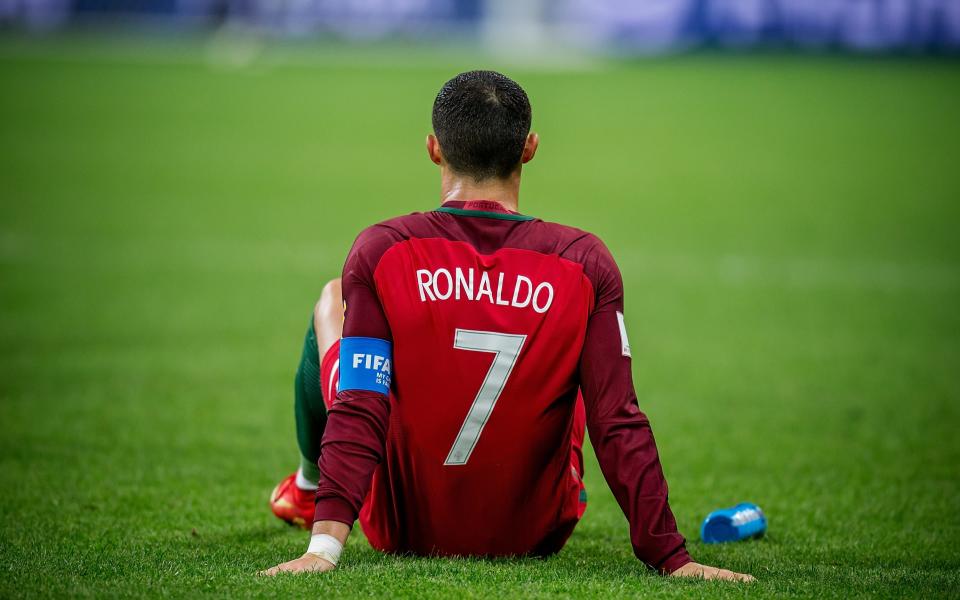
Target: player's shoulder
374,240
574,243
395,229
587,250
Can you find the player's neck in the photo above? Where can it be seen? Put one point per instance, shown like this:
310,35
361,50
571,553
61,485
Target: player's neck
505,192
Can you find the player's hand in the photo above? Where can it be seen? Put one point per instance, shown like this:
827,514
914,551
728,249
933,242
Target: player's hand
308,563
692,569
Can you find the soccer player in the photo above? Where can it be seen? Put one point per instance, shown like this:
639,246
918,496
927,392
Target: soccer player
468,331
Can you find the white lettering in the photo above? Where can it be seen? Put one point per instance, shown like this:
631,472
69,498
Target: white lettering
357,359
484,287
462,283
516,292
542,308
436,288
424,277
500,299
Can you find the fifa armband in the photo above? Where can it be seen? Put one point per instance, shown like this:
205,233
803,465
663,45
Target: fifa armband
365,364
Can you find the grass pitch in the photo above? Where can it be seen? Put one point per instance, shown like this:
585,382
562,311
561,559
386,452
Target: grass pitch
788,233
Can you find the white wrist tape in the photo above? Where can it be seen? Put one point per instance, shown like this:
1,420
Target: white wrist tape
326,547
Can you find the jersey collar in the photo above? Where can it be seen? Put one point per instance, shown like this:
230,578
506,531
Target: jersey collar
481,208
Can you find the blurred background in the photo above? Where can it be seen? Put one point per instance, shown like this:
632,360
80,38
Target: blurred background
778,180
534,26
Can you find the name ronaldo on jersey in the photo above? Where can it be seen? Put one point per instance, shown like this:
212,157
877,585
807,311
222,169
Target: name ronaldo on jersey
517,291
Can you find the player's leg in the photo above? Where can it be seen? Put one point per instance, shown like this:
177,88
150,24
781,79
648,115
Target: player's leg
328,316
311,400
292,499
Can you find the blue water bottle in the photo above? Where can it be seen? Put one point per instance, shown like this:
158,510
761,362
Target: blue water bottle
740,522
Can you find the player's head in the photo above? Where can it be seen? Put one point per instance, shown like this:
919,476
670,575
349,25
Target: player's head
481,120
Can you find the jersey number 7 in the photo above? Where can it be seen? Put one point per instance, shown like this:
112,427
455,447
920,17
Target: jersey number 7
505,348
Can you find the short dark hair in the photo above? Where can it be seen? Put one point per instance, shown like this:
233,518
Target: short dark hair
482,119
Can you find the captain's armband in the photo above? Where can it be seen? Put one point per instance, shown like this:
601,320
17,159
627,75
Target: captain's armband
365,364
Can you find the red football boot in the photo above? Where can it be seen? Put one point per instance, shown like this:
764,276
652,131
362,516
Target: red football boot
291,504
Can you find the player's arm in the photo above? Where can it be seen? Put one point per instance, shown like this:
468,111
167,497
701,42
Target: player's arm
621,433
355,436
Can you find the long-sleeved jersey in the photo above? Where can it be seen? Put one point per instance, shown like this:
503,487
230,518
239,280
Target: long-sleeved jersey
496,320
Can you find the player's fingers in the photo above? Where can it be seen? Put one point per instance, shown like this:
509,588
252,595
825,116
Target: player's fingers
291,566
727,575
294,566
311,566
720,574
710,572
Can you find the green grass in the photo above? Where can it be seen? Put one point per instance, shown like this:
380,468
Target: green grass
787,229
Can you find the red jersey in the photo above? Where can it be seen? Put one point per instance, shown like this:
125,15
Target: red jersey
496,320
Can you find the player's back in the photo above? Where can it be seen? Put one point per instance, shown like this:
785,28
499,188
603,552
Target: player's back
488,312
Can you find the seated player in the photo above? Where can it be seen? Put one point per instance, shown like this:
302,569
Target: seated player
293,498
456,426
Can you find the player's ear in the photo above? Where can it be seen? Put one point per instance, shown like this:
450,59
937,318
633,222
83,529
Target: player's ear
530,148
433,149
